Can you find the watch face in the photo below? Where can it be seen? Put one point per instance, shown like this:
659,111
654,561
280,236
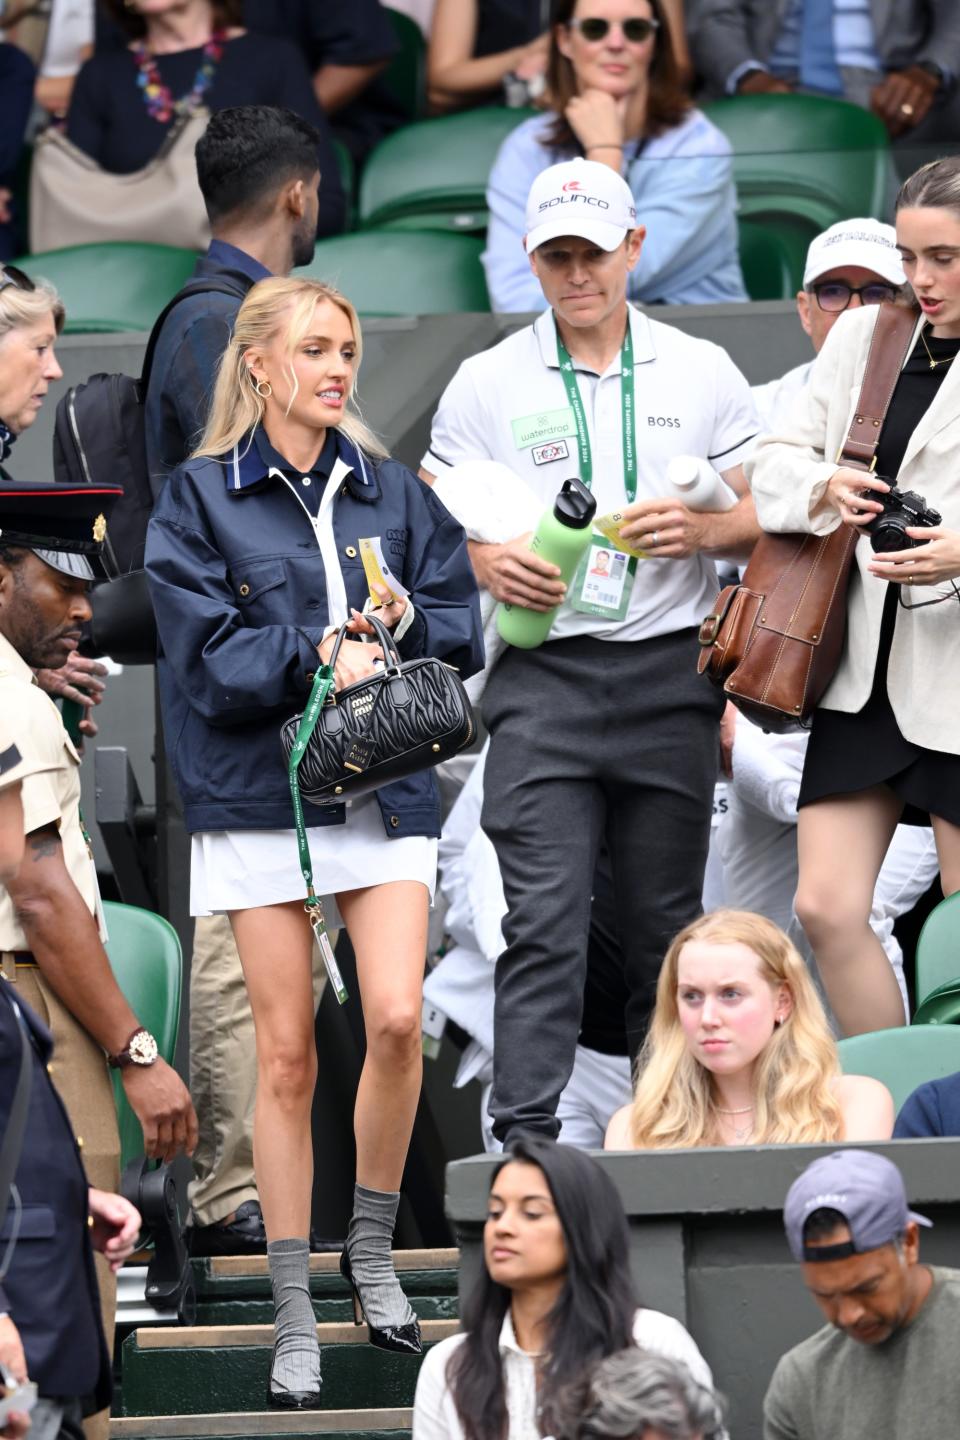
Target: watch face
143,1048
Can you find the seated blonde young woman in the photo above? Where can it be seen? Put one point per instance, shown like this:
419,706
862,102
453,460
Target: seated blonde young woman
740,1052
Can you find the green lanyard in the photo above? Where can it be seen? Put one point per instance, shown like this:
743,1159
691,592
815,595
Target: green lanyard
626,403
322,685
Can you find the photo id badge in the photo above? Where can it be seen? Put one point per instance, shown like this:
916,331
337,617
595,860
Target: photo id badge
603,581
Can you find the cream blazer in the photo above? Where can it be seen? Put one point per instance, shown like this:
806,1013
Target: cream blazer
788,475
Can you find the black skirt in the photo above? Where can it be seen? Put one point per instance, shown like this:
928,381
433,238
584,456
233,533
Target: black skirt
850,753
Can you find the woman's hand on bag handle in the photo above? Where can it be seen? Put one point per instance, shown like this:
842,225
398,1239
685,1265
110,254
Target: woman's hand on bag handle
938,559
355,660
845,494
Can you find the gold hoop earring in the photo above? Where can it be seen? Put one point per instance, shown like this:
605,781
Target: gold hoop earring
263,388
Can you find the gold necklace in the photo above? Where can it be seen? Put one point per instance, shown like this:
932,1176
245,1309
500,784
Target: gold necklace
934,363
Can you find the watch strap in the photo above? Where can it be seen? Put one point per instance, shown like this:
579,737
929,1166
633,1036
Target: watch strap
125,1057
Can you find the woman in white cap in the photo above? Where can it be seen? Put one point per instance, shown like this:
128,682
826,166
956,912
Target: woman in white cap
616,97
885,744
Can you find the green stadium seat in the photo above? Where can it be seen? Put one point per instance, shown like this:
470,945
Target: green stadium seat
406,75
768,262
818,159
112,286
903,1058
145,957
433,175
938,949
404,272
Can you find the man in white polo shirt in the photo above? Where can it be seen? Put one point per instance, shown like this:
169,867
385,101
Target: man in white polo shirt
606,728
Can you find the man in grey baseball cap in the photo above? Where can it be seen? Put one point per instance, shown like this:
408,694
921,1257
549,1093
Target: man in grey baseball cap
885,1365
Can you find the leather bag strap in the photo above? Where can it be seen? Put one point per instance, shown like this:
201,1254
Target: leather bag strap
889,348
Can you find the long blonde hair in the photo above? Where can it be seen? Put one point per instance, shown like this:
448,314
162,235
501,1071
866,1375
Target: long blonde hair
271,305
795,1101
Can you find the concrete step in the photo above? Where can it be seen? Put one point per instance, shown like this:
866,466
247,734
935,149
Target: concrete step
209,1369
267,1425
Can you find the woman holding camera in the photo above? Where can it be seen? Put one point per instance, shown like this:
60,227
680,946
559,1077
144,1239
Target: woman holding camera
252,556
885,742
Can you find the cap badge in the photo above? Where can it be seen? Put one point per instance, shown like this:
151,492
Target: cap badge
100,529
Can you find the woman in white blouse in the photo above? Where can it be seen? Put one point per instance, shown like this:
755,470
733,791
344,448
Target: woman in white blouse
554,1297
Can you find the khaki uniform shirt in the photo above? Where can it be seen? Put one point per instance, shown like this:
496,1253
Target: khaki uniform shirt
51,793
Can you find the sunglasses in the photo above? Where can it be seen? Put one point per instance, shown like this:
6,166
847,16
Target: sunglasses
834,295
636,31
10,275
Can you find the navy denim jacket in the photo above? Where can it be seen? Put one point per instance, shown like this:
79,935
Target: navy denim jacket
239,591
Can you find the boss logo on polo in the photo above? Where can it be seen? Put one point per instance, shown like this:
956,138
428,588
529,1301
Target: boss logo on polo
543,454
664,422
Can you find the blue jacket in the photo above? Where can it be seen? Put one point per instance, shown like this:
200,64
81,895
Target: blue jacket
932,1109
50,1289
239,592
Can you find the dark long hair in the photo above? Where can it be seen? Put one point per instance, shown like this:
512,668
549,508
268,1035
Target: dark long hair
593,1316
667,102
226,13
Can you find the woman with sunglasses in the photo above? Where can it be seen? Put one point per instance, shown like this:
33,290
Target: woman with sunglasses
31,319
885,742
615,96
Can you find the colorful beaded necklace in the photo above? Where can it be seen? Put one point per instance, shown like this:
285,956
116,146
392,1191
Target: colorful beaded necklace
157,97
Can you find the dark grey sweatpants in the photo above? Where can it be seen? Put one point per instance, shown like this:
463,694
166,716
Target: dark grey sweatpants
589,737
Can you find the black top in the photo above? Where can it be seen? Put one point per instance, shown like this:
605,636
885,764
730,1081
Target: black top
109,120
914,394
504,24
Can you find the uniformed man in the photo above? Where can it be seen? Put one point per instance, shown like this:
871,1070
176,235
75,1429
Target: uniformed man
51,938
606,729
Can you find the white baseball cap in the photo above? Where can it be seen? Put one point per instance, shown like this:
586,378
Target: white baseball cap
579,197
867,243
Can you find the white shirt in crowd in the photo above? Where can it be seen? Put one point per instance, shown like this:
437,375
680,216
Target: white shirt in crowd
435,1414
509,404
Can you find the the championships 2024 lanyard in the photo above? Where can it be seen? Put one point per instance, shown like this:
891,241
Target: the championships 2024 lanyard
322,685
626,407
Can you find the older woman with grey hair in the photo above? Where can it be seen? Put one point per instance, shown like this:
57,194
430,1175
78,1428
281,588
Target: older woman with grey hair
632,1395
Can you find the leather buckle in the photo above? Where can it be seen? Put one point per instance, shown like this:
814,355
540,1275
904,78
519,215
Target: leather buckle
709,629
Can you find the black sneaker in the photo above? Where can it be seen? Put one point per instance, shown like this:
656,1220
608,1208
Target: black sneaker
244,1235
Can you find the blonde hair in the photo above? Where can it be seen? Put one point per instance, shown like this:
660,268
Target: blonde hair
27,307
271,306
795,1102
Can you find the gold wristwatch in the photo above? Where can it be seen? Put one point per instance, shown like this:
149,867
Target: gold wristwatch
140,1049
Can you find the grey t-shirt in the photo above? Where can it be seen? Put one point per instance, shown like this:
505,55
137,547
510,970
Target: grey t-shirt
830,1386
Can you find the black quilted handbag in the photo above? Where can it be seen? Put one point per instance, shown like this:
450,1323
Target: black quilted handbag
408,716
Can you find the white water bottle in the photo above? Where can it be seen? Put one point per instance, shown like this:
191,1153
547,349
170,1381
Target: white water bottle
698,485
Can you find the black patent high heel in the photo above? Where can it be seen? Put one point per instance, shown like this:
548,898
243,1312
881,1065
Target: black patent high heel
404,1339
292,1399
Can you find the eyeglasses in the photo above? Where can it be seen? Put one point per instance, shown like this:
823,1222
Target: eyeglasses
10,275
635,30
835,295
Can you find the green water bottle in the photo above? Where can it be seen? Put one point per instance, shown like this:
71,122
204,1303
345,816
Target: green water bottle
561,537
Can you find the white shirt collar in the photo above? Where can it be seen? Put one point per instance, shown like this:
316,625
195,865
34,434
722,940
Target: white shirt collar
508,1339
641,334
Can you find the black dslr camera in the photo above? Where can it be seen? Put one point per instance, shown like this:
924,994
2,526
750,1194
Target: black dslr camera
901,508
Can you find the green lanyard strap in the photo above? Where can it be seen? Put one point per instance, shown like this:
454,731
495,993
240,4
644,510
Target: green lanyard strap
322,685
569,376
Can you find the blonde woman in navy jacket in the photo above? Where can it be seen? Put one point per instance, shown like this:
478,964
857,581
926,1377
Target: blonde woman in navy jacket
253,561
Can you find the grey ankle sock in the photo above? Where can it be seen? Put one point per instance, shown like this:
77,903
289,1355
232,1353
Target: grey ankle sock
297,1363
369,1241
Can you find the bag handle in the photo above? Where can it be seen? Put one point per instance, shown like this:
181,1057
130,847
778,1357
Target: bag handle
387,643
889,349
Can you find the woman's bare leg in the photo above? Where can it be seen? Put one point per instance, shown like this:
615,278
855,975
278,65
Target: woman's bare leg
275,943
387,925
947,837
841,843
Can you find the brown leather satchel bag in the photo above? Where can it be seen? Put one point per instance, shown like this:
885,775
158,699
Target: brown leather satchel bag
773,642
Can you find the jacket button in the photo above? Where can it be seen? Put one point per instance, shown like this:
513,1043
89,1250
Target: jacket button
89,1222
343,490
311,676
394,821
244,589
351,552
79,1142
49,1069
